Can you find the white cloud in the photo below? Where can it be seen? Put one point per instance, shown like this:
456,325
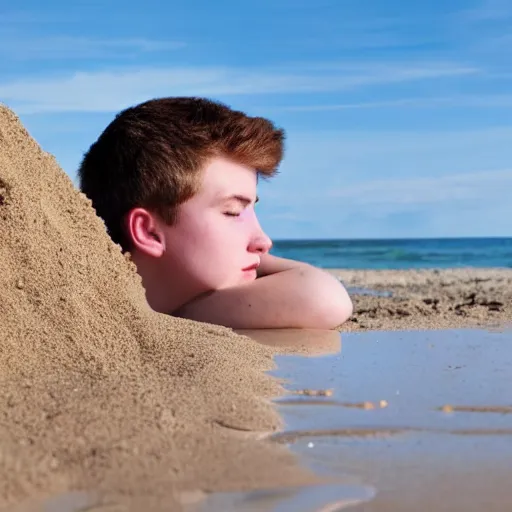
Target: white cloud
492,185
488,10
496,43
352,37
351,153
481,101
484,32
109,91
64,47
403,183
466,204
22,17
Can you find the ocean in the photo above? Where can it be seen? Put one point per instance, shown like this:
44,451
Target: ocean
400,253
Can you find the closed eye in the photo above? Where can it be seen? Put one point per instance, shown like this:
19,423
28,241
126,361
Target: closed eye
238,201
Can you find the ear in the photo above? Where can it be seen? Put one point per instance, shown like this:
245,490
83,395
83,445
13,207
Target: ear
144,230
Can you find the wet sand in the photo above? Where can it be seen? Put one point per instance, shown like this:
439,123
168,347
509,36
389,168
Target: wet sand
428,299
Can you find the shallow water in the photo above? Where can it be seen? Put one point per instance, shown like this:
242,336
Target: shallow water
318,498
418,420
414,452
356,290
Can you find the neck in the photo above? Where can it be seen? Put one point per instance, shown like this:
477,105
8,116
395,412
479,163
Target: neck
165,293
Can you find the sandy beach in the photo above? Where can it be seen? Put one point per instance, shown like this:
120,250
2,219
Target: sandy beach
428,299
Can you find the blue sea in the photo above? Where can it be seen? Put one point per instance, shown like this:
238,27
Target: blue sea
400,253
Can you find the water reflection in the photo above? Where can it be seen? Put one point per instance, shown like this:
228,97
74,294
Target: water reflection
443,440
311,342
317,498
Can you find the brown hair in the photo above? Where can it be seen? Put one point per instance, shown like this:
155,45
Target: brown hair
151,156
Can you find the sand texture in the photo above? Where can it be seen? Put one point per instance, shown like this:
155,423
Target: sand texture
430,299
99,392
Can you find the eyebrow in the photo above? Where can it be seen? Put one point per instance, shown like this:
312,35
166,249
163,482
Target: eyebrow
237,197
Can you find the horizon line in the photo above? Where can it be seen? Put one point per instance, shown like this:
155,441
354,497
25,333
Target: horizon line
373,239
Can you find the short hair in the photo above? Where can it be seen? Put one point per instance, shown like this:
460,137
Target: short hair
152,156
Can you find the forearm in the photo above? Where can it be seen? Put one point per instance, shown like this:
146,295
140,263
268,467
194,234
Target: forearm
299,297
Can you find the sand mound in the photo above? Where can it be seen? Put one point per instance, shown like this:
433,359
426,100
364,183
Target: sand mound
98,391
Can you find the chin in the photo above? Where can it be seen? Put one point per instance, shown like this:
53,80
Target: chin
249,275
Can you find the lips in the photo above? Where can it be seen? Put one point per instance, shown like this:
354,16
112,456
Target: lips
252,267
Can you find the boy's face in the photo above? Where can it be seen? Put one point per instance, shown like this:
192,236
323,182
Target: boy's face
217,240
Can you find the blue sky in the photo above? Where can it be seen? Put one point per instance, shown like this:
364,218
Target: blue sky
397,114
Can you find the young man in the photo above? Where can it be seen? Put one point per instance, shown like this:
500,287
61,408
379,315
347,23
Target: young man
174,180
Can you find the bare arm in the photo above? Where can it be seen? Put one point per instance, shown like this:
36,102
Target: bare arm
287,294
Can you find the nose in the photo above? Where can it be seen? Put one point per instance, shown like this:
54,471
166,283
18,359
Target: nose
260,242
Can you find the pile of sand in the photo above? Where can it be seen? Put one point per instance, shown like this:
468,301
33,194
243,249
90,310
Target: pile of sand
98,391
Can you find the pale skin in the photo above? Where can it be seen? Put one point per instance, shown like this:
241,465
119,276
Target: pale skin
286,294
214,264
